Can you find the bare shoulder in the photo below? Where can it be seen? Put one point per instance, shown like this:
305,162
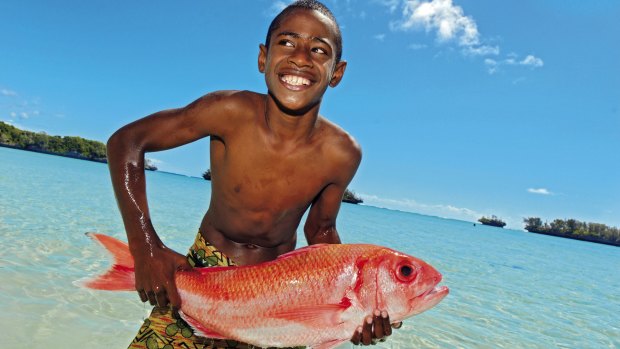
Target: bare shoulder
222,111
340,143
229,101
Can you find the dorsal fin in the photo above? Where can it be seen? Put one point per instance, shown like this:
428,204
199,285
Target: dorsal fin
302,250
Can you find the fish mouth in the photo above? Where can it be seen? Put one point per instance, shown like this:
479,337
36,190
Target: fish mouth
429,299
437,291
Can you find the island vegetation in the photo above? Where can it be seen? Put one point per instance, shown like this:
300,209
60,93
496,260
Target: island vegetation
69,146
492,221
349,196
574,229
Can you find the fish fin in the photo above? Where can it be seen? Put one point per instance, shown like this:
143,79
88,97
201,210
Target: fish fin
330,344
120,277
199,329
301,250
207,270
320,315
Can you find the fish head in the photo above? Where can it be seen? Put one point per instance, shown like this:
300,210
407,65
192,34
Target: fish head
404,285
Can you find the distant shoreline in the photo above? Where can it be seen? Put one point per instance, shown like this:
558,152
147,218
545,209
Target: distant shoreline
580,238
64,155
43,151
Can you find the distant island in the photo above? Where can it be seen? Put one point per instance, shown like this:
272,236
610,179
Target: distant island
348,197
574,229
68,146
351,198
492,221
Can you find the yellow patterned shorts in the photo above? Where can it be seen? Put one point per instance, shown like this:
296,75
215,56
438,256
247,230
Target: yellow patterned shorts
162,330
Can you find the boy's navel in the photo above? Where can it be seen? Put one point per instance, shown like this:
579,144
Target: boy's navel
237,188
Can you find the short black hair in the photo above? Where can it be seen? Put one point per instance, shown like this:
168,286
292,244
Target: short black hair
307,5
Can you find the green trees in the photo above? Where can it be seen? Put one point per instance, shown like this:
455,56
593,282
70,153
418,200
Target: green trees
492,221
75,147
40,141
574,229
352,198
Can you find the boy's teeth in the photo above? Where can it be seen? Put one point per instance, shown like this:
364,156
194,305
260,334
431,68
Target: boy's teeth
295,80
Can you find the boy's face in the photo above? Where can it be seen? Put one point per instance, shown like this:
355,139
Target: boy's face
300,61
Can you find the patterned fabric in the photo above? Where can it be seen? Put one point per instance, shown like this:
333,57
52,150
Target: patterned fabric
163,331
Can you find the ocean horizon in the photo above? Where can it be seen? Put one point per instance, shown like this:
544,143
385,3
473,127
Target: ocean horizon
509,288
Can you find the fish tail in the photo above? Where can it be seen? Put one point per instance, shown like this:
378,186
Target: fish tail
120,277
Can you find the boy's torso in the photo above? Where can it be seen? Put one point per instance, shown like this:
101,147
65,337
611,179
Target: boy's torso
262,186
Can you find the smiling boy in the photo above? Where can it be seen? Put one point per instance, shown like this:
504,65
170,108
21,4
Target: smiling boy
272,158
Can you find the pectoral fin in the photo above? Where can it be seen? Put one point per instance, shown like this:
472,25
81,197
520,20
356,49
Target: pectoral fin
322,315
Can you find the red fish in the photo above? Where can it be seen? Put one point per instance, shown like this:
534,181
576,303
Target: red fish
315,296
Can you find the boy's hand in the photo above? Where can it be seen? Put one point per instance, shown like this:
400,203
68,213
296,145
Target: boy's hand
375,329
155,271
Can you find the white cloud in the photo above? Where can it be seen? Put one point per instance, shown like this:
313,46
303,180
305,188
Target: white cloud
493,65
532,61
482,50
445,211
24,115
447,21
8,93
379,37
539,191
449,24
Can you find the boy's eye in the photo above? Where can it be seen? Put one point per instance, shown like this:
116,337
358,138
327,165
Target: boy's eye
285,43
319,50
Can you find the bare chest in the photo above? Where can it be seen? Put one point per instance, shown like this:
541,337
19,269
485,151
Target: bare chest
259,176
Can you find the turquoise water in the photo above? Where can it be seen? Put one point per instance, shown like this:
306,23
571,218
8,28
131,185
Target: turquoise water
509,289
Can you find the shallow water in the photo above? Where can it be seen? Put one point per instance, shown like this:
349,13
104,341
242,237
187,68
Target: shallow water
509,289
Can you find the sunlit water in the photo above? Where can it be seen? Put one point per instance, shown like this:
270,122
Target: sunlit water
509,289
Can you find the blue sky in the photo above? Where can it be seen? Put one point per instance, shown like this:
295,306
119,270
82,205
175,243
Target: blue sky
463,108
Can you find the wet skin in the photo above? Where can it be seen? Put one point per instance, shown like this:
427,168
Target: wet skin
272,157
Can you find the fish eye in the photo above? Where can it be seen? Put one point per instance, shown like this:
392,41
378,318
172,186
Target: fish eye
406,272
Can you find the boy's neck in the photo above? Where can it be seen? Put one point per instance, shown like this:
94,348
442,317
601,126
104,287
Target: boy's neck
287,127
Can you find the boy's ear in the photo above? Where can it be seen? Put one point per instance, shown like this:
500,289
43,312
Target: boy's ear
338,73
262,57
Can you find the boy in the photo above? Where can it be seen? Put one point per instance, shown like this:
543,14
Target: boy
272,158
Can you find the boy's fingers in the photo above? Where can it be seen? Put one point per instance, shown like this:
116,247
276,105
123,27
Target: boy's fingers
174,298
387,328
143,296
377,323
162,300
367,331
357,336
152,298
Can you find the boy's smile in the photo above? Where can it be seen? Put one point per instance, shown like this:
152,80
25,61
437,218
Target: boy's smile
300,61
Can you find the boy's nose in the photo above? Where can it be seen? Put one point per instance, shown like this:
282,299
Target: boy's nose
301,58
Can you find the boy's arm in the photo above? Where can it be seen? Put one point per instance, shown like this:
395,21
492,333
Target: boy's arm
320,227
156,264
